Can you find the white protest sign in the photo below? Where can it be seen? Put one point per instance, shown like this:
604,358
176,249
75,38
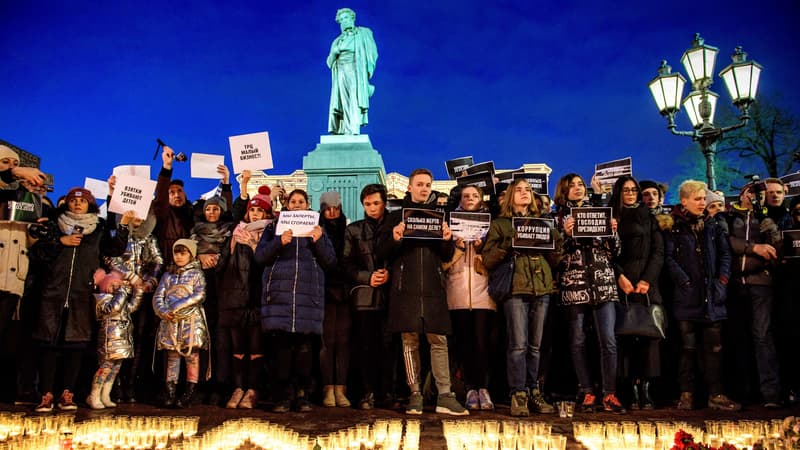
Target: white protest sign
134,171
103,211
132,193
211,193
250,151
300,222
205,166
98,188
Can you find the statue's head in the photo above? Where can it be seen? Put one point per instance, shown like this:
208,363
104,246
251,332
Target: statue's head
346,18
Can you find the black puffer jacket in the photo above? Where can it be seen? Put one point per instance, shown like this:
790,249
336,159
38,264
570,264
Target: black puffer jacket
417,299
746,230
67,283
335,279
238,286
359,260
641,254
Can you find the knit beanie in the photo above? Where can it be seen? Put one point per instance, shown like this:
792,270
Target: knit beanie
219,201
262,199
80,192
188,243
647,184
330,199
712,197
8,152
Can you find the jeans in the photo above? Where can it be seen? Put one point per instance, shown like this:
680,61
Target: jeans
605,317
691,333
525,324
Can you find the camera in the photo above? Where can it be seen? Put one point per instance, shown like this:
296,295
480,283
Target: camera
180,157
42,231
758,187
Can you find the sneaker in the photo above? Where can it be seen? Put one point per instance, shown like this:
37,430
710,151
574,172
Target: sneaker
686,402
611,404
367,401
589,403
447,404
519,404
473,400
65,403
539,404
46,405
414,403
485,399
249,400
722,402
236,397
774,404
281,407
302,405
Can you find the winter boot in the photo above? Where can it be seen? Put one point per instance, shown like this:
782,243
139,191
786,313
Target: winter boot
647,400
636,395
328,397
188,395
339,394
105,394
171,390
93,400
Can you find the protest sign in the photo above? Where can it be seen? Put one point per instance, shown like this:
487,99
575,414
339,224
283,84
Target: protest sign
487,166
134,171
205,166
793,182
132,193
250,151
422,223
455,167
791,244
26,208
591,222
394,204
469,226
533,232
301,223
483,180
607,173
538,181
508,176
98,188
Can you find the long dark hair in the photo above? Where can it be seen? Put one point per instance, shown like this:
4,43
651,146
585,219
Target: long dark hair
615,202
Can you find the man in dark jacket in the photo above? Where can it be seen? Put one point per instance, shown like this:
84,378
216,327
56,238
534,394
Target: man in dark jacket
417,302
173,213
754,241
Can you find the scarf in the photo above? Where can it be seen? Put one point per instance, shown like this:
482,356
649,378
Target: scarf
210,236
248,233
68,220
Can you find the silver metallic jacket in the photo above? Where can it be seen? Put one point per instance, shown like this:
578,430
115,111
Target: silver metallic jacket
181,295
115,337
142,258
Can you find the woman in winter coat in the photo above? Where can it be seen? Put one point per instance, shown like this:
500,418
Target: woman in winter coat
293,303
526,308
638,267
64,324
588,288
471,308
239,293
698,257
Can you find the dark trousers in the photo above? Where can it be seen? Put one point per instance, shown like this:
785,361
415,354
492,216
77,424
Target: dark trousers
706,336
334,356
291,361
375,352
70,365
471,338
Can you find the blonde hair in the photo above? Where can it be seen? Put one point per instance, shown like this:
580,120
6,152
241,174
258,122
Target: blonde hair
507,207
689,187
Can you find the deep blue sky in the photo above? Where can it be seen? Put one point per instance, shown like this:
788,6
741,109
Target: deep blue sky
90,85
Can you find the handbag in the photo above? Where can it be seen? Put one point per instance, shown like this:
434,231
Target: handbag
364,296
641,319
501,279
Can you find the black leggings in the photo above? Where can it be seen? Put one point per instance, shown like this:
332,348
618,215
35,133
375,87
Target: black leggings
291,362
334,356
471,334
70,368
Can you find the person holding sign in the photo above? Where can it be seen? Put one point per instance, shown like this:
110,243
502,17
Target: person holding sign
293,304
417,302
64,321
638,267
526,308
471,308
588,288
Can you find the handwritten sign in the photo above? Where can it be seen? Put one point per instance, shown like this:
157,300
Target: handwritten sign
134,171
791,244
455,167
423,223
469,226
608,172
132,193
538,181
205,165
483,180
300,222
250,151
591,222
533,232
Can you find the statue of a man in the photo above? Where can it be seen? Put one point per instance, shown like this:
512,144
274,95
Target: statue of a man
352,62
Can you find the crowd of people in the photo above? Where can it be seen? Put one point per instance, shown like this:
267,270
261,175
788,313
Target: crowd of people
207,302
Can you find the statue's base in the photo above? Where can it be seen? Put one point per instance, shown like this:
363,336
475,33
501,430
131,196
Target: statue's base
345,164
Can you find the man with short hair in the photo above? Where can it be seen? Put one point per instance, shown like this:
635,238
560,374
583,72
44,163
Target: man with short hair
174,217
417,302
652,197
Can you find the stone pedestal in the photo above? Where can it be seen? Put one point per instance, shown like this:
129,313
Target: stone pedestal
344,164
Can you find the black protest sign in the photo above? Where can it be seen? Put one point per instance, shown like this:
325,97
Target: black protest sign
28,208
793,182
394,204
538,181
591,222
470,226
508,176
607,173
533,232
487,166
483,180
455,167
422,223
791,244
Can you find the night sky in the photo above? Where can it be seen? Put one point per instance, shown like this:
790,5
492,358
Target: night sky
91,85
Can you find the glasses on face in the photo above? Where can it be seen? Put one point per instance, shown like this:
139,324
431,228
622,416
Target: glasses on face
630,190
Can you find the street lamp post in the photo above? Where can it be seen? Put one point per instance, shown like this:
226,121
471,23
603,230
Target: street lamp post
741,78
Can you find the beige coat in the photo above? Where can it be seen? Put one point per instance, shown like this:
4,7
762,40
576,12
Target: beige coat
13,256
468,281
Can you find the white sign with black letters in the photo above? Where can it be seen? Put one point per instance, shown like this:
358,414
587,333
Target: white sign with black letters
250,151
301,223
132,193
